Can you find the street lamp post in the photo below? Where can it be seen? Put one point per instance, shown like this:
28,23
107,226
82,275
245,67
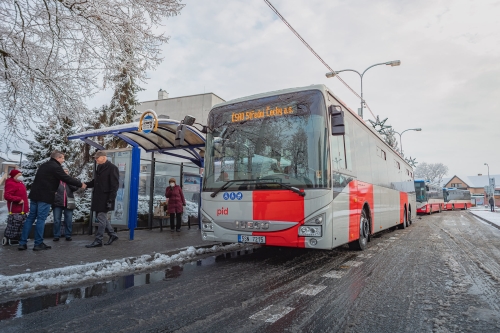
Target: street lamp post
389,63
17,152
489,186
400,134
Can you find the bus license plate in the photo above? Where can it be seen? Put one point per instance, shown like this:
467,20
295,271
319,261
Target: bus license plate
251,239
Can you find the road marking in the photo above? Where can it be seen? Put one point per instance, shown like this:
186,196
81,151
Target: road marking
366,255
335,274
310,290
272,313
393,238
353,263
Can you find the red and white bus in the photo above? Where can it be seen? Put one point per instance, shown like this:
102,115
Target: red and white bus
456,199
298,168
429,197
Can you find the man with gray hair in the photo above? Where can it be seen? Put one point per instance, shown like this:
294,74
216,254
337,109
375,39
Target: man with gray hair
105,185
42,195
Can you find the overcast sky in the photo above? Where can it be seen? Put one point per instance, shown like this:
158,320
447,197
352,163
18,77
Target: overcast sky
448,82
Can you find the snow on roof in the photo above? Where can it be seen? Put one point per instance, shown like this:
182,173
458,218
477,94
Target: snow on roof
476,181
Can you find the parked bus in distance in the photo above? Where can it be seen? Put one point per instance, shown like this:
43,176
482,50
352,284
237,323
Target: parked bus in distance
456,199
298,168
429,197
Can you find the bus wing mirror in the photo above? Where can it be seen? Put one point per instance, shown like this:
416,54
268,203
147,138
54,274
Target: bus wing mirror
337,120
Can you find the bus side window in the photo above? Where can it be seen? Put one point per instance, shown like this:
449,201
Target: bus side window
338,155
347,142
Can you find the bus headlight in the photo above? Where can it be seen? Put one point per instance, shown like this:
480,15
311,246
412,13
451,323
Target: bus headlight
206,224
309,231
318,219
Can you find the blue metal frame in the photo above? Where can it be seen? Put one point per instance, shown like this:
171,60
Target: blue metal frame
134,191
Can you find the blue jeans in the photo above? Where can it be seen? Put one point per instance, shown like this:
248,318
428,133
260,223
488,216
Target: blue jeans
68,221
38,211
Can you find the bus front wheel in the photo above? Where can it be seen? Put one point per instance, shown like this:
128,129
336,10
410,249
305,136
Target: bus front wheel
364,233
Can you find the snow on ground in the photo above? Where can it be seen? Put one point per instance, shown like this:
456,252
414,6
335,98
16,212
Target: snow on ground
4,212
485,213
105,269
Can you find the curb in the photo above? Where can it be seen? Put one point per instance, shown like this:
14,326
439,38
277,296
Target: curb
485,220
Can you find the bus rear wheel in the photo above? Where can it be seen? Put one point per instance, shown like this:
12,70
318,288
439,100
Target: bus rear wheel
364,233
405,221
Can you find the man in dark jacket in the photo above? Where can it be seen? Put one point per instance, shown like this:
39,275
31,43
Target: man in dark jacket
42,195
105,185
492,204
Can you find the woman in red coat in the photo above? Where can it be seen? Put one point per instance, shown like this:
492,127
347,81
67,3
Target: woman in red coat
15,193
175,204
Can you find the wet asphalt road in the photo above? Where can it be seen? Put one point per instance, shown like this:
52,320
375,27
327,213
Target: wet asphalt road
442,274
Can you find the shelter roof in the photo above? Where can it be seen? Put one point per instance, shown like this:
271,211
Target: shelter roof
161,141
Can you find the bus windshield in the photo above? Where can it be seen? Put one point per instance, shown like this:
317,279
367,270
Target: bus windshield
420,192
274,139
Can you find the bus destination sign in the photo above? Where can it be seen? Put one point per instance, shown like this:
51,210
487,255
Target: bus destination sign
261,113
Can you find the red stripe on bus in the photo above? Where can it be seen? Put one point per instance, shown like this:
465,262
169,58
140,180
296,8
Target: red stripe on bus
359,194
403,200
280,205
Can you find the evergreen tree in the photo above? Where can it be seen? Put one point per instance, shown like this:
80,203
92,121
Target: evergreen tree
386,132
49,137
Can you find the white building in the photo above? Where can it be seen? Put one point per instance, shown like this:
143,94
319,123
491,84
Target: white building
176,108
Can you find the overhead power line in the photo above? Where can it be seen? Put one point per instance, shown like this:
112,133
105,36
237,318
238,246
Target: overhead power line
314,52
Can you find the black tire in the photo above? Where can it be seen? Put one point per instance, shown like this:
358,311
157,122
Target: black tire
4,241
364,233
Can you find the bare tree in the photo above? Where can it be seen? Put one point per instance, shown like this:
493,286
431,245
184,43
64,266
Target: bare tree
56,53
433,172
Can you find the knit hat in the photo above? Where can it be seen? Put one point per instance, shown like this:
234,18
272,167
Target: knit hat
14,172
172,180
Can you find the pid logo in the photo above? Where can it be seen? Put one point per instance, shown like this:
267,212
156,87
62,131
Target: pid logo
222,211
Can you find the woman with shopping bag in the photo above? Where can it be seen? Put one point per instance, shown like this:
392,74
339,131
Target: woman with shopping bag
64,202
17,203
176,203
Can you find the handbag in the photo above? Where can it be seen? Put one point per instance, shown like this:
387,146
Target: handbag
15,222
70,203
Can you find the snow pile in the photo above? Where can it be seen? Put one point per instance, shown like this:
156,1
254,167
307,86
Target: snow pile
492,217
191,208
105,269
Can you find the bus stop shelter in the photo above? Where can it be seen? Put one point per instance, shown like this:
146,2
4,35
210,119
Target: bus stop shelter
161,139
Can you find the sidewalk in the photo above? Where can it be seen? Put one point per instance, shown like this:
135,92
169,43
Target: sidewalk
64,253
487,216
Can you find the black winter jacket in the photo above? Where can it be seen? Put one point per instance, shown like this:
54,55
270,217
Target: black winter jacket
105,186
60,199
47,179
